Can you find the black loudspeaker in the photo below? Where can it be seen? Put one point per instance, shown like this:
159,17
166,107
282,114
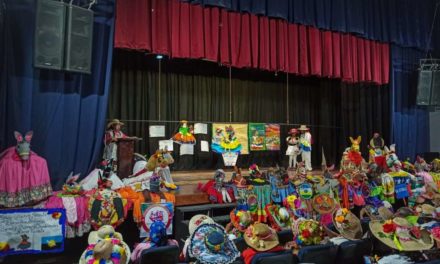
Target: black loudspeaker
435,88
49,34
424,87
79,39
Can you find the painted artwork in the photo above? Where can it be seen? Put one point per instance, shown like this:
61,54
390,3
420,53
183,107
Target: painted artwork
163,212
272,141
230,138
32,231
257,136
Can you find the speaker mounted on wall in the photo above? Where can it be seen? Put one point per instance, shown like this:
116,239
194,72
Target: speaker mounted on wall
79,39
49,34
428,87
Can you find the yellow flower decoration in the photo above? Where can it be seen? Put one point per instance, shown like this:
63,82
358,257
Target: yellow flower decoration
51,243
344,211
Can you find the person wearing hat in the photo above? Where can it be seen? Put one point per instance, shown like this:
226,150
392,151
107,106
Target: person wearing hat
194,222
106,246
112,135
305,144
293,147
209,244
157,238
261,239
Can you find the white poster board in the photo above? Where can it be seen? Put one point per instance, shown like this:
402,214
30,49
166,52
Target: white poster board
166,144
163,212
157,131
32,231
200,128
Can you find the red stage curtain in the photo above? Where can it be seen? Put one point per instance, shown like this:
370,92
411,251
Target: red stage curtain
181,30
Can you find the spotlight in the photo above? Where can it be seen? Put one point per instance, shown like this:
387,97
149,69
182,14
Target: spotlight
159,57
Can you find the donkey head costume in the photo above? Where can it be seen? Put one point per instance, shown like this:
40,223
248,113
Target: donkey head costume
23,147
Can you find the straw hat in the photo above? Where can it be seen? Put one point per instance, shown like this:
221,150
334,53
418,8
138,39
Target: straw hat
261,237
303,128
307,231
198,220
105,231
383,231
240,219
347,224
323,203
114,122
278,217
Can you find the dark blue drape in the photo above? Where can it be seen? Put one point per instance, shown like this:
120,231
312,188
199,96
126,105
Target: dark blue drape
403,22
410,129
66,111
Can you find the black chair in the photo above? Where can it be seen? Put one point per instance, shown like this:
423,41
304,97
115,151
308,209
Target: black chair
162,255
353,251
285,257
285,236
240,244
319,254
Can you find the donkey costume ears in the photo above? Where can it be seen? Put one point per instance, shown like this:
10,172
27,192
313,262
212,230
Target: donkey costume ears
27,137
357,140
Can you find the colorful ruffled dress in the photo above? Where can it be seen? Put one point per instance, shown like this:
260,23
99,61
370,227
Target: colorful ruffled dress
184,136
23,182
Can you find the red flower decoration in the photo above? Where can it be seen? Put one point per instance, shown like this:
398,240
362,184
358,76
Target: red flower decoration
389,227
305,233
415,231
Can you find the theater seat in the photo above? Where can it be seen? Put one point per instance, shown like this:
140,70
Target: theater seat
352,251
285,236
319,254
162,255
240,244
283,258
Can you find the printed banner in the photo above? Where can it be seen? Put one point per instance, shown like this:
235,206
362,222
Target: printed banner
32,231
163,212
273,137
230,137
257,136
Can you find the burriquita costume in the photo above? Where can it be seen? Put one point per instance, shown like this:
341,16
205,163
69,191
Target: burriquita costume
24,176
305,143
111,136
293,147
185,134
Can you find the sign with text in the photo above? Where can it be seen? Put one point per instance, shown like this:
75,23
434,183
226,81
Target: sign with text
32,231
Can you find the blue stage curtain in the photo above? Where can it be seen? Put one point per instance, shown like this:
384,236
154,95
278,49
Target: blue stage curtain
410,130
403,22
66,111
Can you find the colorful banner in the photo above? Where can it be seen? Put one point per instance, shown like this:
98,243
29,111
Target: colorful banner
230,137
273,142
32,231
257,136
163,212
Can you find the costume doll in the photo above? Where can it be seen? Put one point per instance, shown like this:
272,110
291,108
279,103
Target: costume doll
293,147
305,143
217,189
24,176
185,134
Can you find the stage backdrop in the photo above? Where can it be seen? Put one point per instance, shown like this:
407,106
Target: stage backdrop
66,111
199,90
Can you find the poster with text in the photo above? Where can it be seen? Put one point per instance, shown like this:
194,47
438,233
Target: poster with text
273,137
32,231
156,212
230,138
257,136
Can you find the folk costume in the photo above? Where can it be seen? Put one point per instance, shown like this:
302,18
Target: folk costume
305,143
112,135
293,150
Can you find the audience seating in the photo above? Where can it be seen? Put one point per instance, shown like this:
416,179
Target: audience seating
319,254
352,251
162,255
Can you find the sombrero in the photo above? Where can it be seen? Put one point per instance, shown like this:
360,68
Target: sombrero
261,237
197,220
240,219
279,217
347,224
303,128
114,122
399,234
426,210
323,203
307,231
210,244
105,231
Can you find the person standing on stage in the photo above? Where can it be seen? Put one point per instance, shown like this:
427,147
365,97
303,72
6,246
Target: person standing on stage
112,135
305,145
293,147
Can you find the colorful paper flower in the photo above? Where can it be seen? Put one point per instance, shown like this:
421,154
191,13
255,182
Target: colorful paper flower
340,218
56,215
305,233
51,243
436,232
389,227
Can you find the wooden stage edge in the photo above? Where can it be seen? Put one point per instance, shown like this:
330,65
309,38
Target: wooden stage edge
188,181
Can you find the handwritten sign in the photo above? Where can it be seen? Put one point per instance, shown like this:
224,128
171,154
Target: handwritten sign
32,231
163,212
200,128
157,131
